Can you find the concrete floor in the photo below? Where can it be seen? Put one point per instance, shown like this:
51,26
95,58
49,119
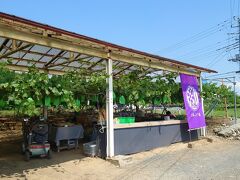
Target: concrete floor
217,160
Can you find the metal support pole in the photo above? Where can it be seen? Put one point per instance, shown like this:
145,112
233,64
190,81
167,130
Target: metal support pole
109,109
235,100
238,42
203,130
190,136
45,112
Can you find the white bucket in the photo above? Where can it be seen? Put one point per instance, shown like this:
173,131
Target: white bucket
166,117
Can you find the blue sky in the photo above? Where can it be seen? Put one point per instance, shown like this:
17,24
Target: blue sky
150,26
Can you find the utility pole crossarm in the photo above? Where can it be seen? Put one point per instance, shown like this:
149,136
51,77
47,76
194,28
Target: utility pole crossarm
237,58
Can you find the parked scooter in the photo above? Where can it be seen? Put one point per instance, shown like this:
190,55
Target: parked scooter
35,139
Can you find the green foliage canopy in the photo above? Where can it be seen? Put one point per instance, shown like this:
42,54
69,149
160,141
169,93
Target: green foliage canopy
26,90
142,90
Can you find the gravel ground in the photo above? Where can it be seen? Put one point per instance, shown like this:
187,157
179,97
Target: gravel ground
217,160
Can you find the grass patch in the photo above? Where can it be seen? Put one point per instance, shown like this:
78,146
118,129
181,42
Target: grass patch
221,113
7,113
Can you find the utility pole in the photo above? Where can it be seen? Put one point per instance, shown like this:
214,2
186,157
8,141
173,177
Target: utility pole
236,59
225,104
237,56
235,100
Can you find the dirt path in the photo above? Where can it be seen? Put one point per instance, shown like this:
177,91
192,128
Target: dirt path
217,160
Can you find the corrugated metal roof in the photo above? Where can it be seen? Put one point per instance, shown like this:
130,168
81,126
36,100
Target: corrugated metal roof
53,51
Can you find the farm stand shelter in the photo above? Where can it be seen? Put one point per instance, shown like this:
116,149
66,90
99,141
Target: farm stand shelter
56,51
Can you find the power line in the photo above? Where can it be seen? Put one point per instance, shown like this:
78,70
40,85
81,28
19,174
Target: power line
237,56
233,7
228,46
221,74
210,48
210,31
230,52
203,54
215,60
194,40
238,8
231,15
207,51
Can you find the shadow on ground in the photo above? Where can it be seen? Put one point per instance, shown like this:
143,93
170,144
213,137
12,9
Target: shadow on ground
12,162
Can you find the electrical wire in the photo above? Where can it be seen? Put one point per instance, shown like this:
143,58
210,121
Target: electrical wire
221,74
210,31
215,61
190,42
238,8
206,49
228,46
200,54
233,7
218,50
231,15
206,54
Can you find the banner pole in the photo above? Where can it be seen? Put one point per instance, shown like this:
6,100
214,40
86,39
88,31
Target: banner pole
190,136
190,145
203,129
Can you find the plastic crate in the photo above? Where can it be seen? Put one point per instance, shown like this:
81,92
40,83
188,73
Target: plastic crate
123,120
131,119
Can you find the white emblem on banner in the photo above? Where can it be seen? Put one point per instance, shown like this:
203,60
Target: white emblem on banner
192,98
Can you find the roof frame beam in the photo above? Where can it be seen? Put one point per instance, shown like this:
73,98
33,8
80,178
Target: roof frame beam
15,50
86,62
32,62
25,53
71,60
38,53
54,58
96,63
10,32
42,56
63,63
119,72
4,44
26,68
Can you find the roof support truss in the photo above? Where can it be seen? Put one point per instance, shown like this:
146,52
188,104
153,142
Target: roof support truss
95,64
32,38
54,58
15,50
66,62
123,70
3,44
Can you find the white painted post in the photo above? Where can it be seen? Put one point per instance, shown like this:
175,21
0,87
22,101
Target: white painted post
203,130
109,109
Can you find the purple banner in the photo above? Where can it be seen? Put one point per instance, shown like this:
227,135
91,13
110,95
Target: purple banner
192,102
